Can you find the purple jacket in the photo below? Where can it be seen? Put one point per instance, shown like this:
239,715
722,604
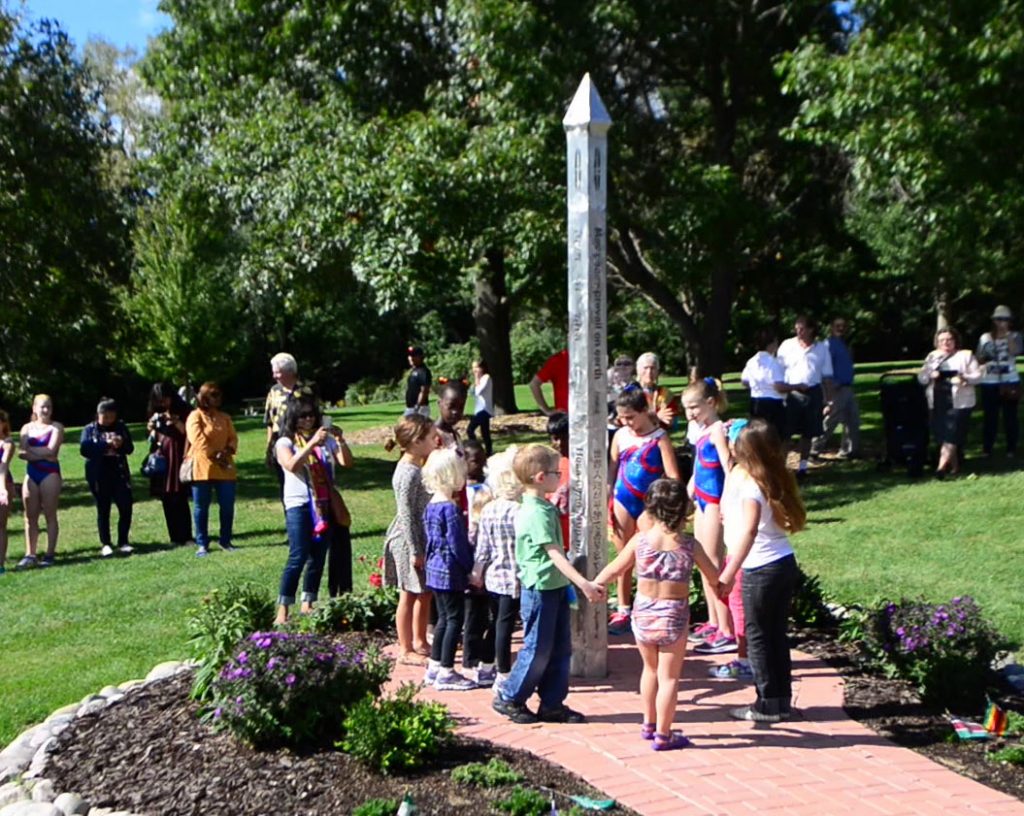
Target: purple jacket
449,556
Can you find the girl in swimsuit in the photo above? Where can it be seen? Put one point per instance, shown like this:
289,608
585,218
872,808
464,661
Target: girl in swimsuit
641,452
664,557
41,439
6,484
704,400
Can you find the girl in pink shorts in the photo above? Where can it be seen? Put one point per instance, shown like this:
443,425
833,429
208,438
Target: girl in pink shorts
664,557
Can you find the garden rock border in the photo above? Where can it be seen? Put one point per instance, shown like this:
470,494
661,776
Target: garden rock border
23,789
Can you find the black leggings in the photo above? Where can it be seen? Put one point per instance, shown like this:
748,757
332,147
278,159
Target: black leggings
483,422
478,629
504,625
448,628
339,561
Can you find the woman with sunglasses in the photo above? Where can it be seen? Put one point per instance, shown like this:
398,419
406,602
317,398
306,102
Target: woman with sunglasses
307,452
1000,383
212,445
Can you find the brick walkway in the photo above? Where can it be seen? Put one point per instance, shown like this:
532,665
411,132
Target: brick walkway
821,762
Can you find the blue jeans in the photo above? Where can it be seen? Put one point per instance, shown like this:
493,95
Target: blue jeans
767,592
302,547
543,662
202,492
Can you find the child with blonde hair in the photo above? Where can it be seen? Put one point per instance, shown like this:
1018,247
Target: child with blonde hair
494,566
449,562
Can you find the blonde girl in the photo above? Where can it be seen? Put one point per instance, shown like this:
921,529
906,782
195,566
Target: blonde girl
761,508
6,484
704,401
41,439
405,542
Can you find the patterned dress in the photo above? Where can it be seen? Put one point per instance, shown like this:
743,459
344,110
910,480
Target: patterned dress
405,538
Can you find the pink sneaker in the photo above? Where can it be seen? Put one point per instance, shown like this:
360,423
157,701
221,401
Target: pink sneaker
702,632
618,623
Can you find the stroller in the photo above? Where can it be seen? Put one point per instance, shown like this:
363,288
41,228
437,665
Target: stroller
905,419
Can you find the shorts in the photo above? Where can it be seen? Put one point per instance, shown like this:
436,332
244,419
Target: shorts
739,620
659,622
804,415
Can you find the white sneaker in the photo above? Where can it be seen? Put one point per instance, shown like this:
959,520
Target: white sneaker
430,675
499,681
451,680
106,551
125,549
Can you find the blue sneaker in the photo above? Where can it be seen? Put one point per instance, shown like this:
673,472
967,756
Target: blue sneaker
733,670
202,552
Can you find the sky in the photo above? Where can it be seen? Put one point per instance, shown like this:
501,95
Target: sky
122,22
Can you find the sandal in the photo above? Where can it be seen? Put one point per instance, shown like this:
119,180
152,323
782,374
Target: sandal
647,731
412,659
673,742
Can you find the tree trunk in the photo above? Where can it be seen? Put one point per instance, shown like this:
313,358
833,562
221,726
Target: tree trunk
943,313
714,330
493,324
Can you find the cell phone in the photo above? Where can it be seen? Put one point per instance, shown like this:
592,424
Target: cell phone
328,421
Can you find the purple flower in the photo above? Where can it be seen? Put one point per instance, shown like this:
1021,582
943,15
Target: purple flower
243,657
218,712
289,680
272,662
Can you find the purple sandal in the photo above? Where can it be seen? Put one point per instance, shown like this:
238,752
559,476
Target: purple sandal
647,731
673,742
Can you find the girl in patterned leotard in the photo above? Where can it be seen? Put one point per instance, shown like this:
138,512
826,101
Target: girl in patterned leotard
640,453
41,439
664,557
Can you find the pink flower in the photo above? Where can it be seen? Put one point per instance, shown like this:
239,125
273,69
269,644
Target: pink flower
375,580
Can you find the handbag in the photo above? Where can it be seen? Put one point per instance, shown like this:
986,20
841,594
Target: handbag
155,465
185,471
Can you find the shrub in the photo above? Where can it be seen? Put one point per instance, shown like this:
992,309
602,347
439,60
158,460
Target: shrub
809,607
946,650
1014,755
372,611
525,802
222,619
533,340
396,733
377,807
492,774
283,688
454,362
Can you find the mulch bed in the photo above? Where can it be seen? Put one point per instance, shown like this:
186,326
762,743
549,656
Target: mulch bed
150,754
506,425
892,708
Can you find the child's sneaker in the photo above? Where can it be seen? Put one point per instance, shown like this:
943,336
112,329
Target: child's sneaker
126,549
723,644
451,680
430,675
499,682
47,561
106,551
733,670
702,632
27,562
618,623
485,676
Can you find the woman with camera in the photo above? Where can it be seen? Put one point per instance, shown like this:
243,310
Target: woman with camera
212,446
168,413
1000,385
949,375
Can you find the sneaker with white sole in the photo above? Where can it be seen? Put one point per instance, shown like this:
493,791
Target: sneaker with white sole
618,623
126,549
485,676
702,632
430,675
723,644
499,681
106,551
451,680
733,670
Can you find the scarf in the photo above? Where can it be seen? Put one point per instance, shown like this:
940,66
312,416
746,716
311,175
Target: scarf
318,481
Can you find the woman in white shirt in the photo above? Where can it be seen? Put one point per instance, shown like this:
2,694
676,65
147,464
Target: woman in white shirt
761,374
1000,384
483,408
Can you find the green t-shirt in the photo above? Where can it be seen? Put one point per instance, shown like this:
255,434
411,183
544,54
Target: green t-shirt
537,528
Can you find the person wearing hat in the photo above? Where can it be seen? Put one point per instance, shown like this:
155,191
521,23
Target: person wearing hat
417,387
106,445
1000,382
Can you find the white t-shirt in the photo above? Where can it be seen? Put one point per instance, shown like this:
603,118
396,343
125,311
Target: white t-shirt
483,392
770,541
296,488
805,366
761,373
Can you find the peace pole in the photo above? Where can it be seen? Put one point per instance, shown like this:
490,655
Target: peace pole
586,126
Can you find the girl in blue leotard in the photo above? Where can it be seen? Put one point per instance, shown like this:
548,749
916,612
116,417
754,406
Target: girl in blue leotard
41,439
641,453
704,400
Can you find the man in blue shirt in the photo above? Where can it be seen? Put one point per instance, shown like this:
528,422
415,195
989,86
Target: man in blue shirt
842,408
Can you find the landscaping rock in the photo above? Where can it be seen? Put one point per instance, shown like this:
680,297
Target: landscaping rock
71,804
88,698
106,691
92,707
128,685
64,711
7,773
12,792
42,791
35,768
115,698
162,670
30,809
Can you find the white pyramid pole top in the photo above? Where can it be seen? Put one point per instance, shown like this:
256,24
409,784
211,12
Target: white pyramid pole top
586,108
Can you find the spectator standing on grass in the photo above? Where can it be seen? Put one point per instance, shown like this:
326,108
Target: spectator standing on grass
555,371
417,387
949,374
762,374
168,414
39,446
841,409
106,445
483,405
6,484
212,443
998,350
807,366
660,401
287,387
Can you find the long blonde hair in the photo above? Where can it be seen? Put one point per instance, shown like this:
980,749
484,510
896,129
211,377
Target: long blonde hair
759,452
39,398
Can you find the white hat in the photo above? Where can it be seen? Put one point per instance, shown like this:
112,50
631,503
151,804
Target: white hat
1002,313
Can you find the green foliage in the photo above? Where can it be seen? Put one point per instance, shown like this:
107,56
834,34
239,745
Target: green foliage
377,807
223,618
283,688
372,391
808,607
492,774
946,650
396,733
370,611
454,362
524,802
1014,755
534,339
1015,723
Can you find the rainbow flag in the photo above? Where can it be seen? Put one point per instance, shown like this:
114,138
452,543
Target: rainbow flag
995,719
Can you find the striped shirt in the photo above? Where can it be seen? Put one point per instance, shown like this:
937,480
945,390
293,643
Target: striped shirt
495,547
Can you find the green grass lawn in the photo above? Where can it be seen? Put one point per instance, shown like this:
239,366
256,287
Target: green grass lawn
86,622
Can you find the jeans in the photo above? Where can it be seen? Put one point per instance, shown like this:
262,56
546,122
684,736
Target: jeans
303,551
504,626
110,489
202,493
543,662
339,561
767,592
478,629
448,628
177,516
993,404
482,421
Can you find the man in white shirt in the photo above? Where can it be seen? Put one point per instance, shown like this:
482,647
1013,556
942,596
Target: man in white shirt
807,365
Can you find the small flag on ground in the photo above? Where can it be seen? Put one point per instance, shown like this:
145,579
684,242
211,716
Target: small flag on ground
995,719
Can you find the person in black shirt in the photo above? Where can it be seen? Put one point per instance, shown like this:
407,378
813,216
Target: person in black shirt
417,388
